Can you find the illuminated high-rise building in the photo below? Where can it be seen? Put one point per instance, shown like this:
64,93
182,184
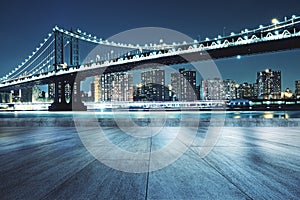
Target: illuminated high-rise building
96,89
255,90
229,89
176,86
106,81
297,89
154,84
139,93
113,87
213,89
245,91
188,89
122,87
269,84
184,85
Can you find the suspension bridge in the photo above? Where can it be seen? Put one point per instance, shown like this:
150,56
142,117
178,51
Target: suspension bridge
56,60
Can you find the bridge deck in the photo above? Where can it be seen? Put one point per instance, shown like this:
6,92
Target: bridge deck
51,162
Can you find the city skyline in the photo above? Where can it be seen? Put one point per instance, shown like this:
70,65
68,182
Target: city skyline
250,79
183,87
137,78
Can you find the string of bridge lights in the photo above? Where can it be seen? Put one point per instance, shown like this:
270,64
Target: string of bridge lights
89,38
275,24
79,34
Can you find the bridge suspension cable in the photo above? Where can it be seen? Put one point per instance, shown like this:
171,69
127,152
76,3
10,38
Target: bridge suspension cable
41,64
19,68
39,67
33,61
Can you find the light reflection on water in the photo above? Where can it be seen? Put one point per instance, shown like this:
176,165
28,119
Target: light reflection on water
147,114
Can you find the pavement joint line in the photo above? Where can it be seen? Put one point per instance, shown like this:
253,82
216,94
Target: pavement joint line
68,178
235,185
220,173
148,173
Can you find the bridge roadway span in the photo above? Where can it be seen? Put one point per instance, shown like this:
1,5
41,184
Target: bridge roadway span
247,163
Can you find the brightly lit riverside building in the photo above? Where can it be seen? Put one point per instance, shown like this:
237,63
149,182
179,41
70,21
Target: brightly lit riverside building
113,87
153,82
269,84
213,89
183,85
297,87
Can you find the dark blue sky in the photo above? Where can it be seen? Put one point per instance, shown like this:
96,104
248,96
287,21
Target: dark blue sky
24,24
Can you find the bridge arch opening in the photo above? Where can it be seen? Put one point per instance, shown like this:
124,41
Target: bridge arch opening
68,93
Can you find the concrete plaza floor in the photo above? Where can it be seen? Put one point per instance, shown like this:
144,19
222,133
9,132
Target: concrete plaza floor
246,163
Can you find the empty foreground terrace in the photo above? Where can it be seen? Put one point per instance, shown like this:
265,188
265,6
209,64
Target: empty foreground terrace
54,162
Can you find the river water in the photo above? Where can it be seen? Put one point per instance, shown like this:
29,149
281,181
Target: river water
157,114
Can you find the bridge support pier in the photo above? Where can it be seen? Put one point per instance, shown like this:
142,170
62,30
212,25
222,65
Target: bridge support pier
67,95
26,94
5,97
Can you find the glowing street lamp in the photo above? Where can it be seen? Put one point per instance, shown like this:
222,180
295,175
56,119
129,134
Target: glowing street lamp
275,21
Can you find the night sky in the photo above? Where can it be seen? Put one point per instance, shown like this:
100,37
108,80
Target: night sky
24,24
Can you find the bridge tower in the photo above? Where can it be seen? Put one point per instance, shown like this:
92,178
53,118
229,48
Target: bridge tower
67,95
60,40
